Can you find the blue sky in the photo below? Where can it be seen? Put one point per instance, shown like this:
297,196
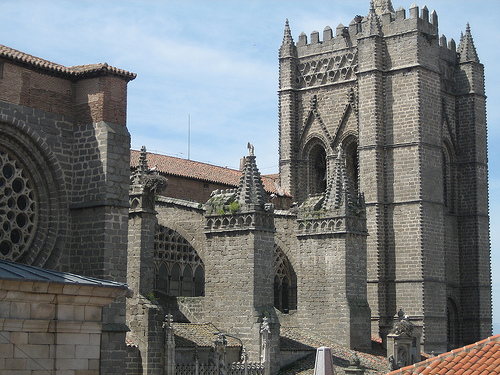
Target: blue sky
216,62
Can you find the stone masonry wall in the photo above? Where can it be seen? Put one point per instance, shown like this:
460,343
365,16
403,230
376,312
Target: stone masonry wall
49,327
69,136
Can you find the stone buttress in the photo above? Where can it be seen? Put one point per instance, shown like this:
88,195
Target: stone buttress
144,316
240,267
331,232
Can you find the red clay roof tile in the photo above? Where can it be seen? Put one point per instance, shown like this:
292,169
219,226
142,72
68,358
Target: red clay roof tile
173,166
71,71
481,358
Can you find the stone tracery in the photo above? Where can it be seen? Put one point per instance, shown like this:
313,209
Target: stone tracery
179,271
328,70
18,208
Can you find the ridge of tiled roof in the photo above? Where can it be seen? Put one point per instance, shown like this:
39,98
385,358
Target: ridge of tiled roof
373,361
202,335
71,71
174,166
480,358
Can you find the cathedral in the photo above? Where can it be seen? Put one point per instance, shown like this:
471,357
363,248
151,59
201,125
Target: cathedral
380,207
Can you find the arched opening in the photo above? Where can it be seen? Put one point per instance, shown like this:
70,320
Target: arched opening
352,161
162,278
175,281
318,169
199,281
285,282
187,288
175,260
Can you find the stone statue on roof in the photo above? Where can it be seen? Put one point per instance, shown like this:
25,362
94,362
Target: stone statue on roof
250,149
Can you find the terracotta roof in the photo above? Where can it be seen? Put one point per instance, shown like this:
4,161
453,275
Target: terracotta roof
188,335
173,166
373,360
71,72
481,358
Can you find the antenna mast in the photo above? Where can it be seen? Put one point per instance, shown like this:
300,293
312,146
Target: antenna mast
189,134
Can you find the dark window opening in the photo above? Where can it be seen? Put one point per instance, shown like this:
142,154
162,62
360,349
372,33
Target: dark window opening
318,171
285,283
352,163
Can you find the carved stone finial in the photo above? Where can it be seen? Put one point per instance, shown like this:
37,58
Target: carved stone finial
168,320
287,48
371,26
466,48
251,189
382,6
264,326
220,340
250,149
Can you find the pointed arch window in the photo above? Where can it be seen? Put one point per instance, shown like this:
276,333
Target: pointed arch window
175,280
199,281
352,161
187,282
318,169
285,282
175,260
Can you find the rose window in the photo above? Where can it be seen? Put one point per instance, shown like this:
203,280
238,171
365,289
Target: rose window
18,208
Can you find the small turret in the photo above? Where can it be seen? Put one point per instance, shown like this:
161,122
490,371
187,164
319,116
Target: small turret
251,192
466,49
287,48
340,190
382,7
371,23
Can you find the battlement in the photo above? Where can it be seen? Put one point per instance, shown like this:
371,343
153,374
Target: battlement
417,19
390,24
342,39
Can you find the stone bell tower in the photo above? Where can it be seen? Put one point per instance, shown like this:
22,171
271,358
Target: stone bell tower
407,107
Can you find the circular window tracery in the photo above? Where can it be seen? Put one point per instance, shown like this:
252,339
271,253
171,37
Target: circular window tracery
178,267
18,208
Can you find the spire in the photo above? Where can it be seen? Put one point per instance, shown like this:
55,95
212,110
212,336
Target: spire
466,49
142,167
340,187
288,46
382,6
371,23
251,190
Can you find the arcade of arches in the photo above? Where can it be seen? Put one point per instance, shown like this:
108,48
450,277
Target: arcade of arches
179,270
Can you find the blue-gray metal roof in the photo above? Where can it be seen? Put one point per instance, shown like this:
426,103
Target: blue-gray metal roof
23,272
